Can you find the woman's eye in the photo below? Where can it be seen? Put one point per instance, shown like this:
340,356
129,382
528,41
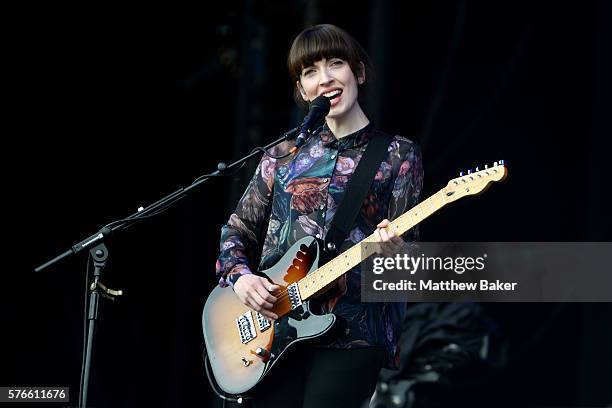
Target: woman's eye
337,62
307,72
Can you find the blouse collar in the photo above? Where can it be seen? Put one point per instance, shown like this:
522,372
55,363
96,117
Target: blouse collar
350,141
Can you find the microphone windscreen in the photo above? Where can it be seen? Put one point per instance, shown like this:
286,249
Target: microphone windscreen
321,103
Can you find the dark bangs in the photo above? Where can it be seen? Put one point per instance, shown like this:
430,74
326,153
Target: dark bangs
324,41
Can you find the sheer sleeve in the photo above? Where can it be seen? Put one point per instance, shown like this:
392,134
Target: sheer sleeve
243,234
407,186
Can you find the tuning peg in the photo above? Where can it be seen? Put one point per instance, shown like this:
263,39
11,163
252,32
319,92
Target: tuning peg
460,174
469,171
486,166
494,164
502,162
477,169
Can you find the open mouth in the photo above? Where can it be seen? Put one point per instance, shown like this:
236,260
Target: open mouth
333,94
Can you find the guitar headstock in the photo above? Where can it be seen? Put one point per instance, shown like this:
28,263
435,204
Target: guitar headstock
474,182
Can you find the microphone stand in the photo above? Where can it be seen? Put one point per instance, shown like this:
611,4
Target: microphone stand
99,253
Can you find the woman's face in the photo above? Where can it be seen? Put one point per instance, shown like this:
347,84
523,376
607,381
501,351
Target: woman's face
333,78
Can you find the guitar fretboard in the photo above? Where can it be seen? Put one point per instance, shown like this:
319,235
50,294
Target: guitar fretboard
316,281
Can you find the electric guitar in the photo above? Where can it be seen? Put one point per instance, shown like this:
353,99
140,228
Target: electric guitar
243,346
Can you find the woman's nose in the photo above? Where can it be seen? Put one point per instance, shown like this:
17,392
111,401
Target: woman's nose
325,77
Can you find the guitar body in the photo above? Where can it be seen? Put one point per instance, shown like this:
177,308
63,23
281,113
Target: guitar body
240,346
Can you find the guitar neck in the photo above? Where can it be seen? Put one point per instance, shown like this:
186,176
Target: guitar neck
326,275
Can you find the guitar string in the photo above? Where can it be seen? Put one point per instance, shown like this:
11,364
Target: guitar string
400,222
284,294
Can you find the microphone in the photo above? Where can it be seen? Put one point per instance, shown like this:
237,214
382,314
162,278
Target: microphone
318,109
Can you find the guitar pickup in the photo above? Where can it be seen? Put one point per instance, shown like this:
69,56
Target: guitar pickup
294,296
246,327
263,323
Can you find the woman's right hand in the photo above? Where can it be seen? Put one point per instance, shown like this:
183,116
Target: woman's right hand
256,292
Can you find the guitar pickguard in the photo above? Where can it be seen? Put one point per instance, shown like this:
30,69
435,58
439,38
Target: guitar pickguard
298,326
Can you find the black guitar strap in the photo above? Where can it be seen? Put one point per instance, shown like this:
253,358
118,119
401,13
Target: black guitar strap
358,187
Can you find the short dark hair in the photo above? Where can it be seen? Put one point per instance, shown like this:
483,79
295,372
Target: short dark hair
326,41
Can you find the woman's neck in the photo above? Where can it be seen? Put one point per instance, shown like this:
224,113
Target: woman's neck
349,123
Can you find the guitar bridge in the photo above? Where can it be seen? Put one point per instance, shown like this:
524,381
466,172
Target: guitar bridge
294,296
246,327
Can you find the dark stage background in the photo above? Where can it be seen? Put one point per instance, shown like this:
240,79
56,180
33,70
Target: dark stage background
116,107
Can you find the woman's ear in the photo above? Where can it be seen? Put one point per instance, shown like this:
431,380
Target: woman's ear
361,76
302,91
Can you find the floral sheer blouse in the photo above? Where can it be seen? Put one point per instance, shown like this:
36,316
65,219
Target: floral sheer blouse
288,199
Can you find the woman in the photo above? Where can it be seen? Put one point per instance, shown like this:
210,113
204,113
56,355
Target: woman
290,198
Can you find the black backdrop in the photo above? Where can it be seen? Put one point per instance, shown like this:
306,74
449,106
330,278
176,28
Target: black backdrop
115,107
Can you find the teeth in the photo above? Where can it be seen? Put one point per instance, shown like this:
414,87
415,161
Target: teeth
332,93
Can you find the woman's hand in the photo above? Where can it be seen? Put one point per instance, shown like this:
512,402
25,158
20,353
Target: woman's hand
385,233
256,292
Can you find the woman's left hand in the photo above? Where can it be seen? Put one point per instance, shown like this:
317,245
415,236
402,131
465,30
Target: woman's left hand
385,233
